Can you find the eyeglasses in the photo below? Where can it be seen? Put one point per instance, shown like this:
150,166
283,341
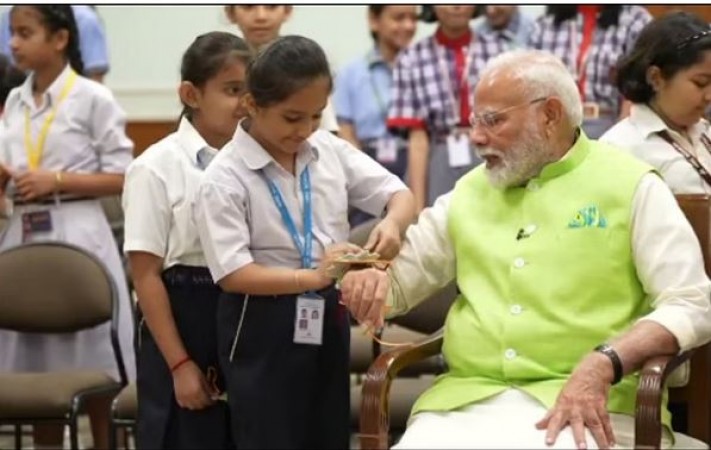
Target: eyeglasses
491,119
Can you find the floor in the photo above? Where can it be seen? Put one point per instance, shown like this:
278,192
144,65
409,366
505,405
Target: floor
7,439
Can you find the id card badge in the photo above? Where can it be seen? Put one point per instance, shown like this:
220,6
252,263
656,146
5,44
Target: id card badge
459,150
591,110
386,150
36,222
308,328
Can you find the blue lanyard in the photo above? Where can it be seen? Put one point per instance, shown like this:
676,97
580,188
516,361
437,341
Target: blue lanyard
305,247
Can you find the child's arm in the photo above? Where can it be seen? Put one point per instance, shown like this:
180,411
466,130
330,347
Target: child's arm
386,237
39,183
256,279
192,390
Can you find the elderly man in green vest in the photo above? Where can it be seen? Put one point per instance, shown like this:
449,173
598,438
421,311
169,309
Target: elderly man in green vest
574,265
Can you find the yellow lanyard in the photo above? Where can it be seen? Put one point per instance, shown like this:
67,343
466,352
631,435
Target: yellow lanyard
35,151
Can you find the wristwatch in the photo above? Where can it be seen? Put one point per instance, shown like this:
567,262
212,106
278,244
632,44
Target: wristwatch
610,352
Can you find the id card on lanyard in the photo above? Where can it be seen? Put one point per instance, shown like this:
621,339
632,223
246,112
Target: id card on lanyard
386,146
36,222
458,150
309,331
35,150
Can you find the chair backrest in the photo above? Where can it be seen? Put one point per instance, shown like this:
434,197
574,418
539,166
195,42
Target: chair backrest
696,393
53,287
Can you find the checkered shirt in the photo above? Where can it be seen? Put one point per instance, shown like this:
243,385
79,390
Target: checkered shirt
606,48
420,93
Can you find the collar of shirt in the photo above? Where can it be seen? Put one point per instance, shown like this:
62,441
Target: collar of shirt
194,146
52,92
648,122
572,159
374,58
454,44
256,158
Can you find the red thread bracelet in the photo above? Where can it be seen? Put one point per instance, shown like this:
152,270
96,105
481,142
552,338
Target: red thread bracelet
179,363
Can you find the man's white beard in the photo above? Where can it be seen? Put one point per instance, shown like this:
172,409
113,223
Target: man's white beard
521,162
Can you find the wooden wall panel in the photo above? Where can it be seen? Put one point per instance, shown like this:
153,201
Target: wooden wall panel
146,133
701,10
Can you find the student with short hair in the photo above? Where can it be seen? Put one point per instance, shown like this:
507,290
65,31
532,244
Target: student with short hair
272,213
178,371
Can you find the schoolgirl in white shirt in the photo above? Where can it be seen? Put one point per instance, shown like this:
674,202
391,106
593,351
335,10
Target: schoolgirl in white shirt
178,373
62,145
272,209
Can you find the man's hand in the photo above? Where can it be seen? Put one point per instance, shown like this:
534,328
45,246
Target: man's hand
582,403
385,239
34,184
364,293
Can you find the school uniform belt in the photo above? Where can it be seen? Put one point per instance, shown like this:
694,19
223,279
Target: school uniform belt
16,201
187,276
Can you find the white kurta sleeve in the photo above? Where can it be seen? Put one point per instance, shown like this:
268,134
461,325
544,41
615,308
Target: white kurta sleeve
670,264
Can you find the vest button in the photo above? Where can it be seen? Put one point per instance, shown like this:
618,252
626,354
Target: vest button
510,353
519,263
516,309
530,229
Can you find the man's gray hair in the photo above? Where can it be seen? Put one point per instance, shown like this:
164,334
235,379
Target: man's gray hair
541,74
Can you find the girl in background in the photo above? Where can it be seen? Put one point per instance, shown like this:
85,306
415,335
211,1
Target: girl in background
362,93
667,77
63,145
363,87
433,83
261,25
177,351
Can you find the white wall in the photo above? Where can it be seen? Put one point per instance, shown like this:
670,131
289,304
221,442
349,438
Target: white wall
147,42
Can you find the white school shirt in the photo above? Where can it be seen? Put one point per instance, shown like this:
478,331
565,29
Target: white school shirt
88,134
158,197
637,134
239,222
665,250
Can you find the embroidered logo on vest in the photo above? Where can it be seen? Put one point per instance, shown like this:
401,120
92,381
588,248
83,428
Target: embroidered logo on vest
588,217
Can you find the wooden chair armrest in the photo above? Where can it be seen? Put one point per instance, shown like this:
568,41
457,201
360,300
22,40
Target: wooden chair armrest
374,410
648,411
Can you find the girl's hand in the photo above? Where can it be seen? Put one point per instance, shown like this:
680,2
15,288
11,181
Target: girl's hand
192,391
324,274
385,239
36,183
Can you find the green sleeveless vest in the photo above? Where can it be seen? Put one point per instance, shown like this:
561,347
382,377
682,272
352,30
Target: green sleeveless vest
546,274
